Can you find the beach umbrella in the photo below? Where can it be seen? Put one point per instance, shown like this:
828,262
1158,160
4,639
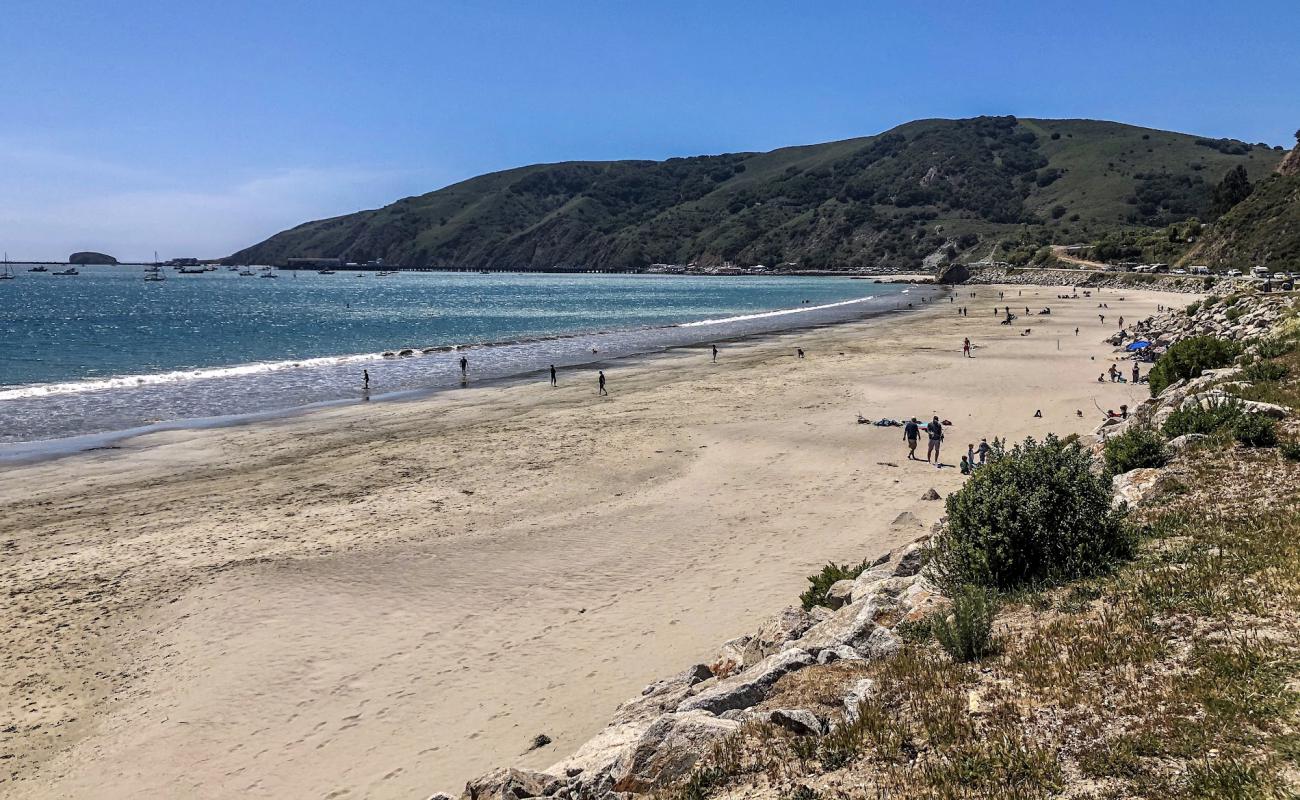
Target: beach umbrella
1139,345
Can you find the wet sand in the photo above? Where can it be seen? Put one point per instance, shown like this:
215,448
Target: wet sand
384,600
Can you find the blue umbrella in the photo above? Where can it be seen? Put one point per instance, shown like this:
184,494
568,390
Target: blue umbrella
1139,345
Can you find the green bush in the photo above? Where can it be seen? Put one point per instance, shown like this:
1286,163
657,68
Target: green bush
1233,314
1290,451
1255,430
1202,417
1193,307
1139,446
1033,515
815,595
1189,358
1262,371
1273,347
967,633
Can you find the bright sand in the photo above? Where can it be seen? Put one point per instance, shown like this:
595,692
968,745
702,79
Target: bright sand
384,600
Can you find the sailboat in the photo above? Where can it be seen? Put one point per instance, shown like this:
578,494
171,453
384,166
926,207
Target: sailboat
8,273
153,273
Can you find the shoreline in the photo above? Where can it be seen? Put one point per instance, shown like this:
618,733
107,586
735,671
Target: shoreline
394,598
36,450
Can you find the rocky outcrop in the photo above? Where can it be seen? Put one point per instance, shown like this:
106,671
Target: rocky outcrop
91,257
668,749
1084,279
750,687
511,784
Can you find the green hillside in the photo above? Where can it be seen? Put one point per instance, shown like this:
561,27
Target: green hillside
917,195
1262,229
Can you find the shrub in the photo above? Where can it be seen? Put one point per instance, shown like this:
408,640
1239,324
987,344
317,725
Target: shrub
1033,515
1233,314
1291,451
1189,358
1202,417
1261,371
1192,308
967,633
815,595
1139,446
1255,430
1274,347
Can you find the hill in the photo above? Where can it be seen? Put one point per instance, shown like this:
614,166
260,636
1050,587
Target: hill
1262,229
914,196
89,257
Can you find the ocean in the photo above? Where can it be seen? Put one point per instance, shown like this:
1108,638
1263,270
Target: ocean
105,351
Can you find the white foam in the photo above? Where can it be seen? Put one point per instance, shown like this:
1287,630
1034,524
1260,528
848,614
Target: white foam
177,376
780,313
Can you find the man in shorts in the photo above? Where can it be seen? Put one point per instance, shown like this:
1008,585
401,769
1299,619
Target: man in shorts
935,429
911,435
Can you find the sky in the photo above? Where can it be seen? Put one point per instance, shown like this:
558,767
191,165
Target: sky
199,128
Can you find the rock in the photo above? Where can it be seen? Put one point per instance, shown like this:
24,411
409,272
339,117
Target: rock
508,783
91,257
595,759
786,625
1180,443
1140,485
441,796
842,653
751,686
539,741
669,749
407,353
730,658
855,696
840,594
819,614
906,520
1267,409
908,559
931,495
854,626
799,721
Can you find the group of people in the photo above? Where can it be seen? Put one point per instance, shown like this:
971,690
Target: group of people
1116,375
934,430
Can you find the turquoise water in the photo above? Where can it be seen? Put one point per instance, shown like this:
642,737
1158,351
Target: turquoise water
106,350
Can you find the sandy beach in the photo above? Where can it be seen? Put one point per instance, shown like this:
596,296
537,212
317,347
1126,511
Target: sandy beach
384,600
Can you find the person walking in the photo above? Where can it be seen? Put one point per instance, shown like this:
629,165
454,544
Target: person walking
965,347
600,385
552,374
935,430
983,451
911,435
464,368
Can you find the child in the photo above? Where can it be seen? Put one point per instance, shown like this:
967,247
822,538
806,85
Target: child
965,466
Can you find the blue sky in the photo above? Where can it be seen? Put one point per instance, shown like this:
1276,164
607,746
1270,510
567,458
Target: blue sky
196,128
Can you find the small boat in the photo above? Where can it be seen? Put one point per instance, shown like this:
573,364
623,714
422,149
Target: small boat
38,268
324,272
154,276
8,273
68,271
246,273
267,273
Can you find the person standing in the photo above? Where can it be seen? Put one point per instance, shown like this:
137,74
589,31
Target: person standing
1137,373
600,385
983,451
552,374
365,380
911,434
935,430
715,354
464,368
965,347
